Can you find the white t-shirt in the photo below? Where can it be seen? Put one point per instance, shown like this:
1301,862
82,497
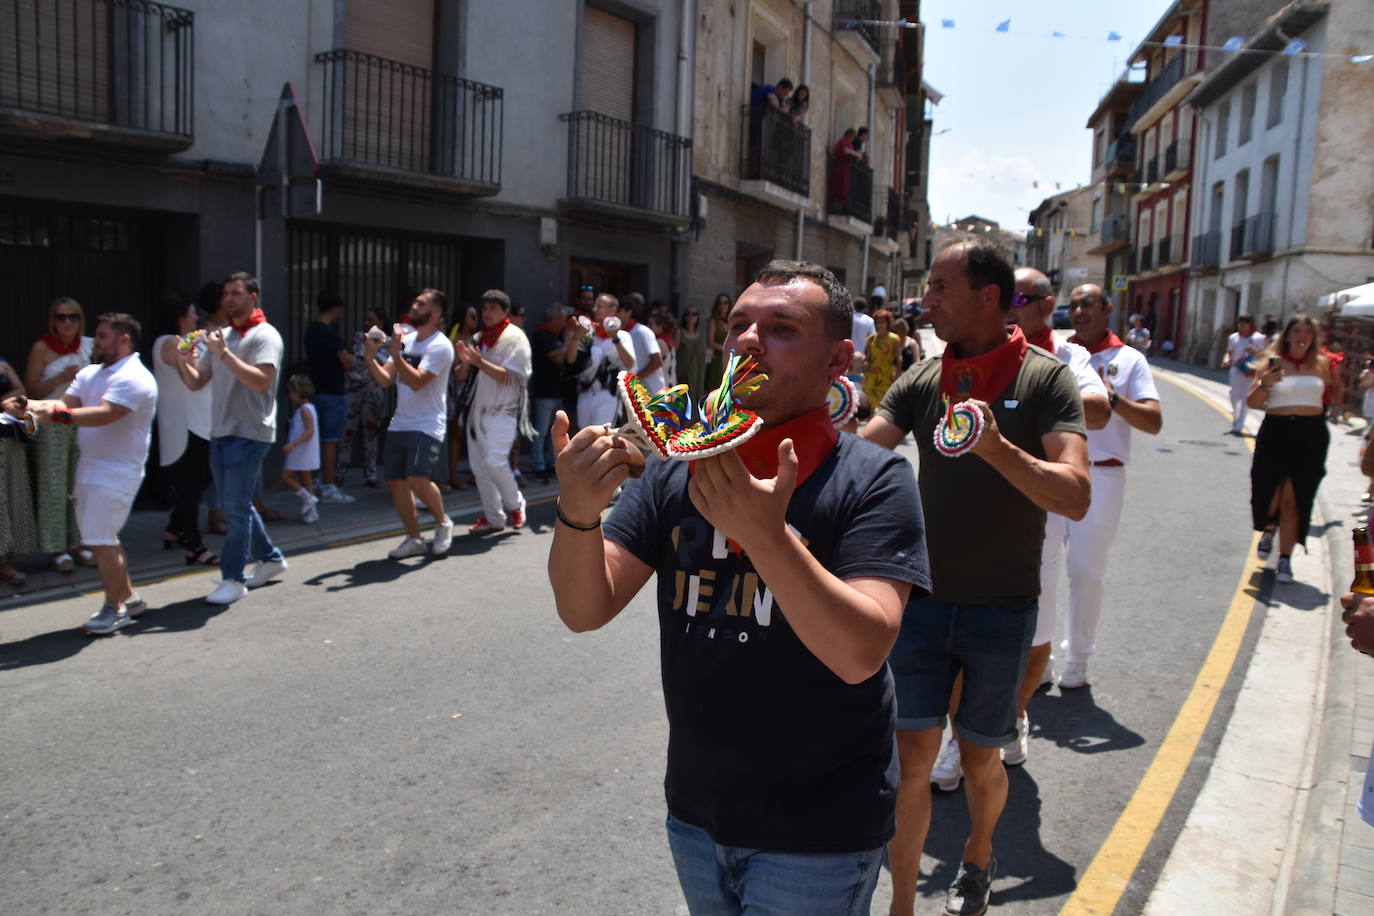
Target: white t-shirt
1237,344
604,365
1079,361
306,456
424,411
112,455
1129,372
645,348
863,326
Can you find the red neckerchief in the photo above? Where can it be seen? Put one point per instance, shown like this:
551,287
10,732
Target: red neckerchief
492,334
986,375
667,341
628,324
1297,363
813,438
55,344
257,317
1044,339
1108,341
601,332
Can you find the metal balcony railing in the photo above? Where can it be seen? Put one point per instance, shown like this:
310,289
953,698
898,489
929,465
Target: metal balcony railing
1207,249
1121,154
1158,87
892,218
1170,250
1178,156
387,114
776,149
859,16
1152,170
615,162
121,63
1147,258
857,200
1132,262
1253,237
1116,228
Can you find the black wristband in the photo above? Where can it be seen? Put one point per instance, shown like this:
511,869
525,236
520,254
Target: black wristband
558,510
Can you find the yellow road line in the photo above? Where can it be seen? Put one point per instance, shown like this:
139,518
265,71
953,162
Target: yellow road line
1107,877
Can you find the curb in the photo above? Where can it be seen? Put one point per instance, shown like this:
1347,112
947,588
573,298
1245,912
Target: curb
1312,867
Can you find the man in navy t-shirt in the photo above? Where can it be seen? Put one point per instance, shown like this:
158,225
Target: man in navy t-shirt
328,363
775,614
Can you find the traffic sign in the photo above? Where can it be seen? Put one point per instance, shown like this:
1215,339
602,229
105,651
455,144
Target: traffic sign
1120,282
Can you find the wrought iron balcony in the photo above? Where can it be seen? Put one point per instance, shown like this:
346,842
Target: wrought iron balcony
857,16
891,220
1158,87
394,122
627,169
112,72
776,150
1207,249
1147,258
1178,158
1114,233
1253,237
1170,250
856,199
1152,170
1121,156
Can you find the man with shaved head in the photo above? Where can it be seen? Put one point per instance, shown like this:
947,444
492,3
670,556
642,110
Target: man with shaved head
1135,405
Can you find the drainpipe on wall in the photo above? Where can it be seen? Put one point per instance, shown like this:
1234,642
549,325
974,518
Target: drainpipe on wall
805,78
873,129
1293,195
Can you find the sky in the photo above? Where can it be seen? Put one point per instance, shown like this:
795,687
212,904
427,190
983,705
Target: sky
1015,103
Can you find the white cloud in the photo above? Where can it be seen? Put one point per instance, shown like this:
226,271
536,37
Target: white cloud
998,187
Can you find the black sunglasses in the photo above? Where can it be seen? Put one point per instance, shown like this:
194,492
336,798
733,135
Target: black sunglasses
66,316
1021,300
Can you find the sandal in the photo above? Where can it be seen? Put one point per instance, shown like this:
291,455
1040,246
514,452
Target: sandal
12,576
201,556
171,541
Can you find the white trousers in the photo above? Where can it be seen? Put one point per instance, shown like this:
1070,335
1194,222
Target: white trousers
489,441
1051,571
596,408
1240,387
1090,544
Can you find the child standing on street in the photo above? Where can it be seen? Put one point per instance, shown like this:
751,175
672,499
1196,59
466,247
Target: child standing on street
303,449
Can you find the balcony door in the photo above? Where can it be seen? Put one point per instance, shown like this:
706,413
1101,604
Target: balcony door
604,144
387,92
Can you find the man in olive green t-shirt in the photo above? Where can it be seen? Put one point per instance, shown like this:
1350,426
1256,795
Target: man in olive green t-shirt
985,521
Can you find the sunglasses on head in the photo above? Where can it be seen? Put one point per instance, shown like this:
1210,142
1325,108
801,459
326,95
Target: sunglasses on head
66,316
1021,300
586,289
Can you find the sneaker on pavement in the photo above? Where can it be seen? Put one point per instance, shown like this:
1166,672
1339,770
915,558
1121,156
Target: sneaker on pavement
1015,752
310,515
332,494
1074,675
1285,570
517,517
443,538
972,887
410,547
63,562
227,592
948,770
1266,545
135,605
265,572
109,618
482,526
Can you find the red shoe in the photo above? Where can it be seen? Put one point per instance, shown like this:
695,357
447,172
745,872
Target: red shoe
517,518
482,526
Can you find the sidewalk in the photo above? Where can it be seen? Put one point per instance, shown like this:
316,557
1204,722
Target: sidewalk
372,515
1324,852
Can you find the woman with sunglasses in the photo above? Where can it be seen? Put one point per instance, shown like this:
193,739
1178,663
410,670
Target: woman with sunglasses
53,362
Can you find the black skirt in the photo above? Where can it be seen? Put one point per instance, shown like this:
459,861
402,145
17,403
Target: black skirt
1288,448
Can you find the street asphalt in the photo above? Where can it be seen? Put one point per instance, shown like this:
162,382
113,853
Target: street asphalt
423,736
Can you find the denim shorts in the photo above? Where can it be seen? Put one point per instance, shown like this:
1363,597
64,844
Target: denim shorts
333,411
728,880
988,643
408,454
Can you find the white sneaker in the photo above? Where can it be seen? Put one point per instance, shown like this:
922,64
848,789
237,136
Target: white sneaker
410,547
310,515
443,538
135,605
1074,675
265,572
1014,752
948,770
1284,572
228,591
332,494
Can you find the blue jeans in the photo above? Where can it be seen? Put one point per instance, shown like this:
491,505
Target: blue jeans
719,880
541,449
237,465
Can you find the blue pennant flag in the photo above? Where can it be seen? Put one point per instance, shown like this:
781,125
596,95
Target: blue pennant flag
946,23
1113,36
1233,43
1058,35
1173,41
1004,25
1295,47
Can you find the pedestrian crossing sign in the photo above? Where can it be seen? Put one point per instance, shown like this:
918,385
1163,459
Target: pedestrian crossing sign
1120,282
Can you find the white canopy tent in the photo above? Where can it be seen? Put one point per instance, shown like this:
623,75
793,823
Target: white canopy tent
1355,302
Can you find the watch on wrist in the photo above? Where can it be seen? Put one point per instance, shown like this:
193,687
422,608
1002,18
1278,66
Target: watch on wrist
1111,400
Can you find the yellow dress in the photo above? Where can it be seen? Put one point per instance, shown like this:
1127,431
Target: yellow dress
883,358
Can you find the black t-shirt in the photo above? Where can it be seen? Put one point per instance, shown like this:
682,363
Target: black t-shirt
322,346
767,747
546,376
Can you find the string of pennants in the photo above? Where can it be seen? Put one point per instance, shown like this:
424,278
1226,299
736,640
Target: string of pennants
1037,232
1296,47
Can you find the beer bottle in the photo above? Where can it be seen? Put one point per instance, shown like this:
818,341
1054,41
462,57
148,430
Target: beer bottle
1364,562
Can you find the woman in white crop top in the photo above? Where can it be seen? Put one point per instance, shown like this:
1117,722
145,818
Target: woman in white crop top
1290,450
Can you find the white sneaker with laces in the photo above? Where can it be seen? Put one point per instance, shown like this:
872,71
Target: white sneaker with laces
332,494
1014,753
443,537
1284,573
311,515
410,547
265,572
1074,675
227,592
948,769
135,605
